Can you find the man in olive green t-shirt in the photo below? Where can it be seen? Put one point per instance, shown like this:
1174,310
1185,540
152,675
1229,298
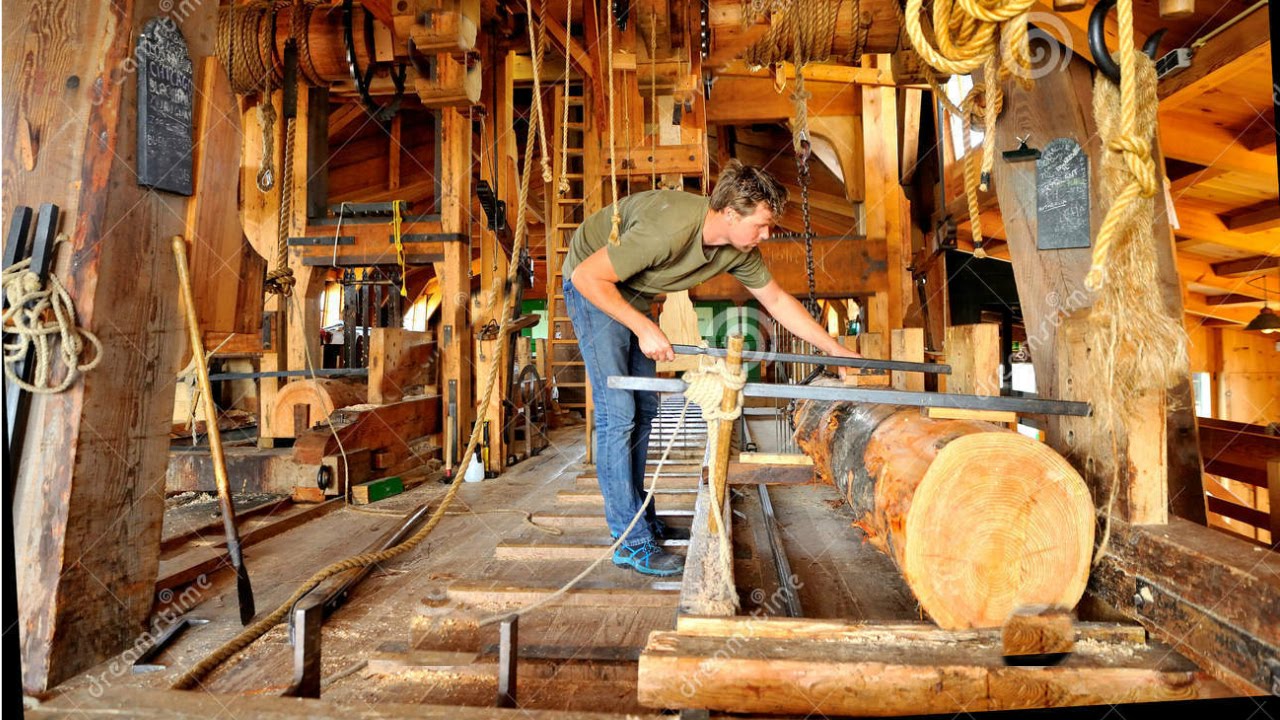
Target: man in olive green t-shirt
668,241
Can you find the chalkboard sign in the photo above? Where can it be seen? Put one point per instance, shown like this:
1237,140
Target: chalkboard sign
1062,196
164,107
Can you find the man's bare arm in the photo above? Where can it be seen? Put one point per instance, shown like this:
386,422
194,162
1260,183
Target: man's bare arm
791,314
597,281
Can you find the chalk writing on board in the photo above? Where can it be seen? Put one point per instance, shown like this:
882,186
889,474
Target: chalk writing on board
1062,196
165,85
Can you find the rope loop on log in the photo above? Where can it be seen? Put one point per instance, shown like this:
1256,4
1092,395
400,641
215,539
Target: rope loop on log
29,303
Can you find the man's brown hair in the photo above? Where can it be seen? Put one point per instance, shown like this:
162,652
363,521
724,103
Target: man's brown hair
743,187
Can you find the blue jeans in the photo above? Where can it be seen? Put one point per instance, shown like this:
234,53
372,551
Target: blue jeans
623,418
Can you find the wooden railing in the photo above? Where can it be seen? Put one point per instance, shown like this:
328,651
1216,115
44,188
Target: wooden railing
1242,478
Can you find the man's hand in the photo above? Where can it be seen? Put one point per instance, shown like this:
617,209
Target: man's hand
655,345
838,350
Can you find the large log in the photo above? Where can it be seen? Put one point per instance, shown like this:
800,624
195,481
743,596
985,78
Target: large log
979,519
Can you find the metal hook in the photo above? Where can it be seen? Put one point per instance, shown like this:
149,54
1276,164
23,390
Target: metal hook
1098,41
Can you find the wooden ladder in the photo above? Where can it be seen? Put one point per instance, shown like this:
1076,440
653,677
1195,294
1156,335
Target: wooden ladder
579,164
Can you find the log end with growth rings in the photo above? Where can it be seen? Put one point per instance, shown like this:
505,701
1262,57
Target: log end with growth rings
998,521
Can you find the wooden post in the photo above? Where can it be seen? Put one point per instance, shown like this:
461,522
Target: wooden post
90,510
907,344
724,433
973,351
455,341
885,204
1051,283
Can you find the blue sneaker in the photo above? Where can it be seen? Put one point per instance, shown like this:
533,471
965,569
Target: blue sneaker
648,558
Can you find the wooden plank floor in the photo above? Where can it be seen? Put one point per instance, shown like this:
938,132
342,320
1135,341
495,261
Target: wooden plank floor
464,550
487,558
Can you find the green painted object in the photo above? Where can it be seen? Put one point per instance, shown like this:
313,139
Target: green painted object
376,490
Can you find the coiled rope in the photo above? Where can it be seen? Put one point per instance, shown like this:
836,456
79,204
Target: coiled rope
237,644
246,47
973,34
801,34
29,301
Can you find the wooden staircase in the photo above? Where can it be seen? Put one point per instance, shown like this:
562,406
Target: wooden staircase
578,164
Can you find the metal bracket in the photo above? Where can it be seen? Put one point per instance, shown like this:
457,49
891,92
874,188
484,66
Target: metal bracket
508,658
308,616
143,663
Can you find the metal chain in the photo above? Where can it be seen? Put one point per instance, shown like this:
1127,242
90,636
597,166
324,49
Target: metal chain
802,169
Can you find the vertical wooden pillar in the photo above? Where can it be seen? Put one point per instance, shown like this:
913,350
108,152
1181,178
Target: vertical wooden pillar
455,330
724,433
500,146
1052,292
303,308
90,484
886,204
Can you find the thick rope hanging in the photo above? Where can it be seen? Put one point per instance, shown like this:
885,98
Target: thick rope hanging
536,43
29,302
972,34
1139,346
562,187
237,644
616,219
1133,142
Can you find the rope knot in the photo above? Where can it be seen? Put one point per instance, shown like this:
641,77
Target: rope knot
706,387
280,281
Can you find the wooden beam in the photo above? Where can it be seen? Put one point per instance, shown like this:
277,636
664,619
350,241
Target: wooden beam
561,38
1192,139
87,507
1246,266
1226,55
744,100
1051,285
1196,222
1183,183
813,72
886,218
1267,218
1214,598
455,343
1231,299
1197,304
726,52
884,675
1202,273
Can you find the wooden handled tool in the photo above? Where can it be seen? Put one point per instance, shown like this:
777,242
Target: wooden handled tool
243,588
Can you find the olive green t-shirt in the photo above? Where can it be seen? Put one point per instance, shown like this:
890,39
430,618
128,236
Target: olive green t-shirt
660,247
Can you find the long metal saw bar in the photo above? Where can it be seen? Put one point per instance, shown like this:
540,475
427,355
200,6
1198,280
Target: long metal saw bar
829,393
899,365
